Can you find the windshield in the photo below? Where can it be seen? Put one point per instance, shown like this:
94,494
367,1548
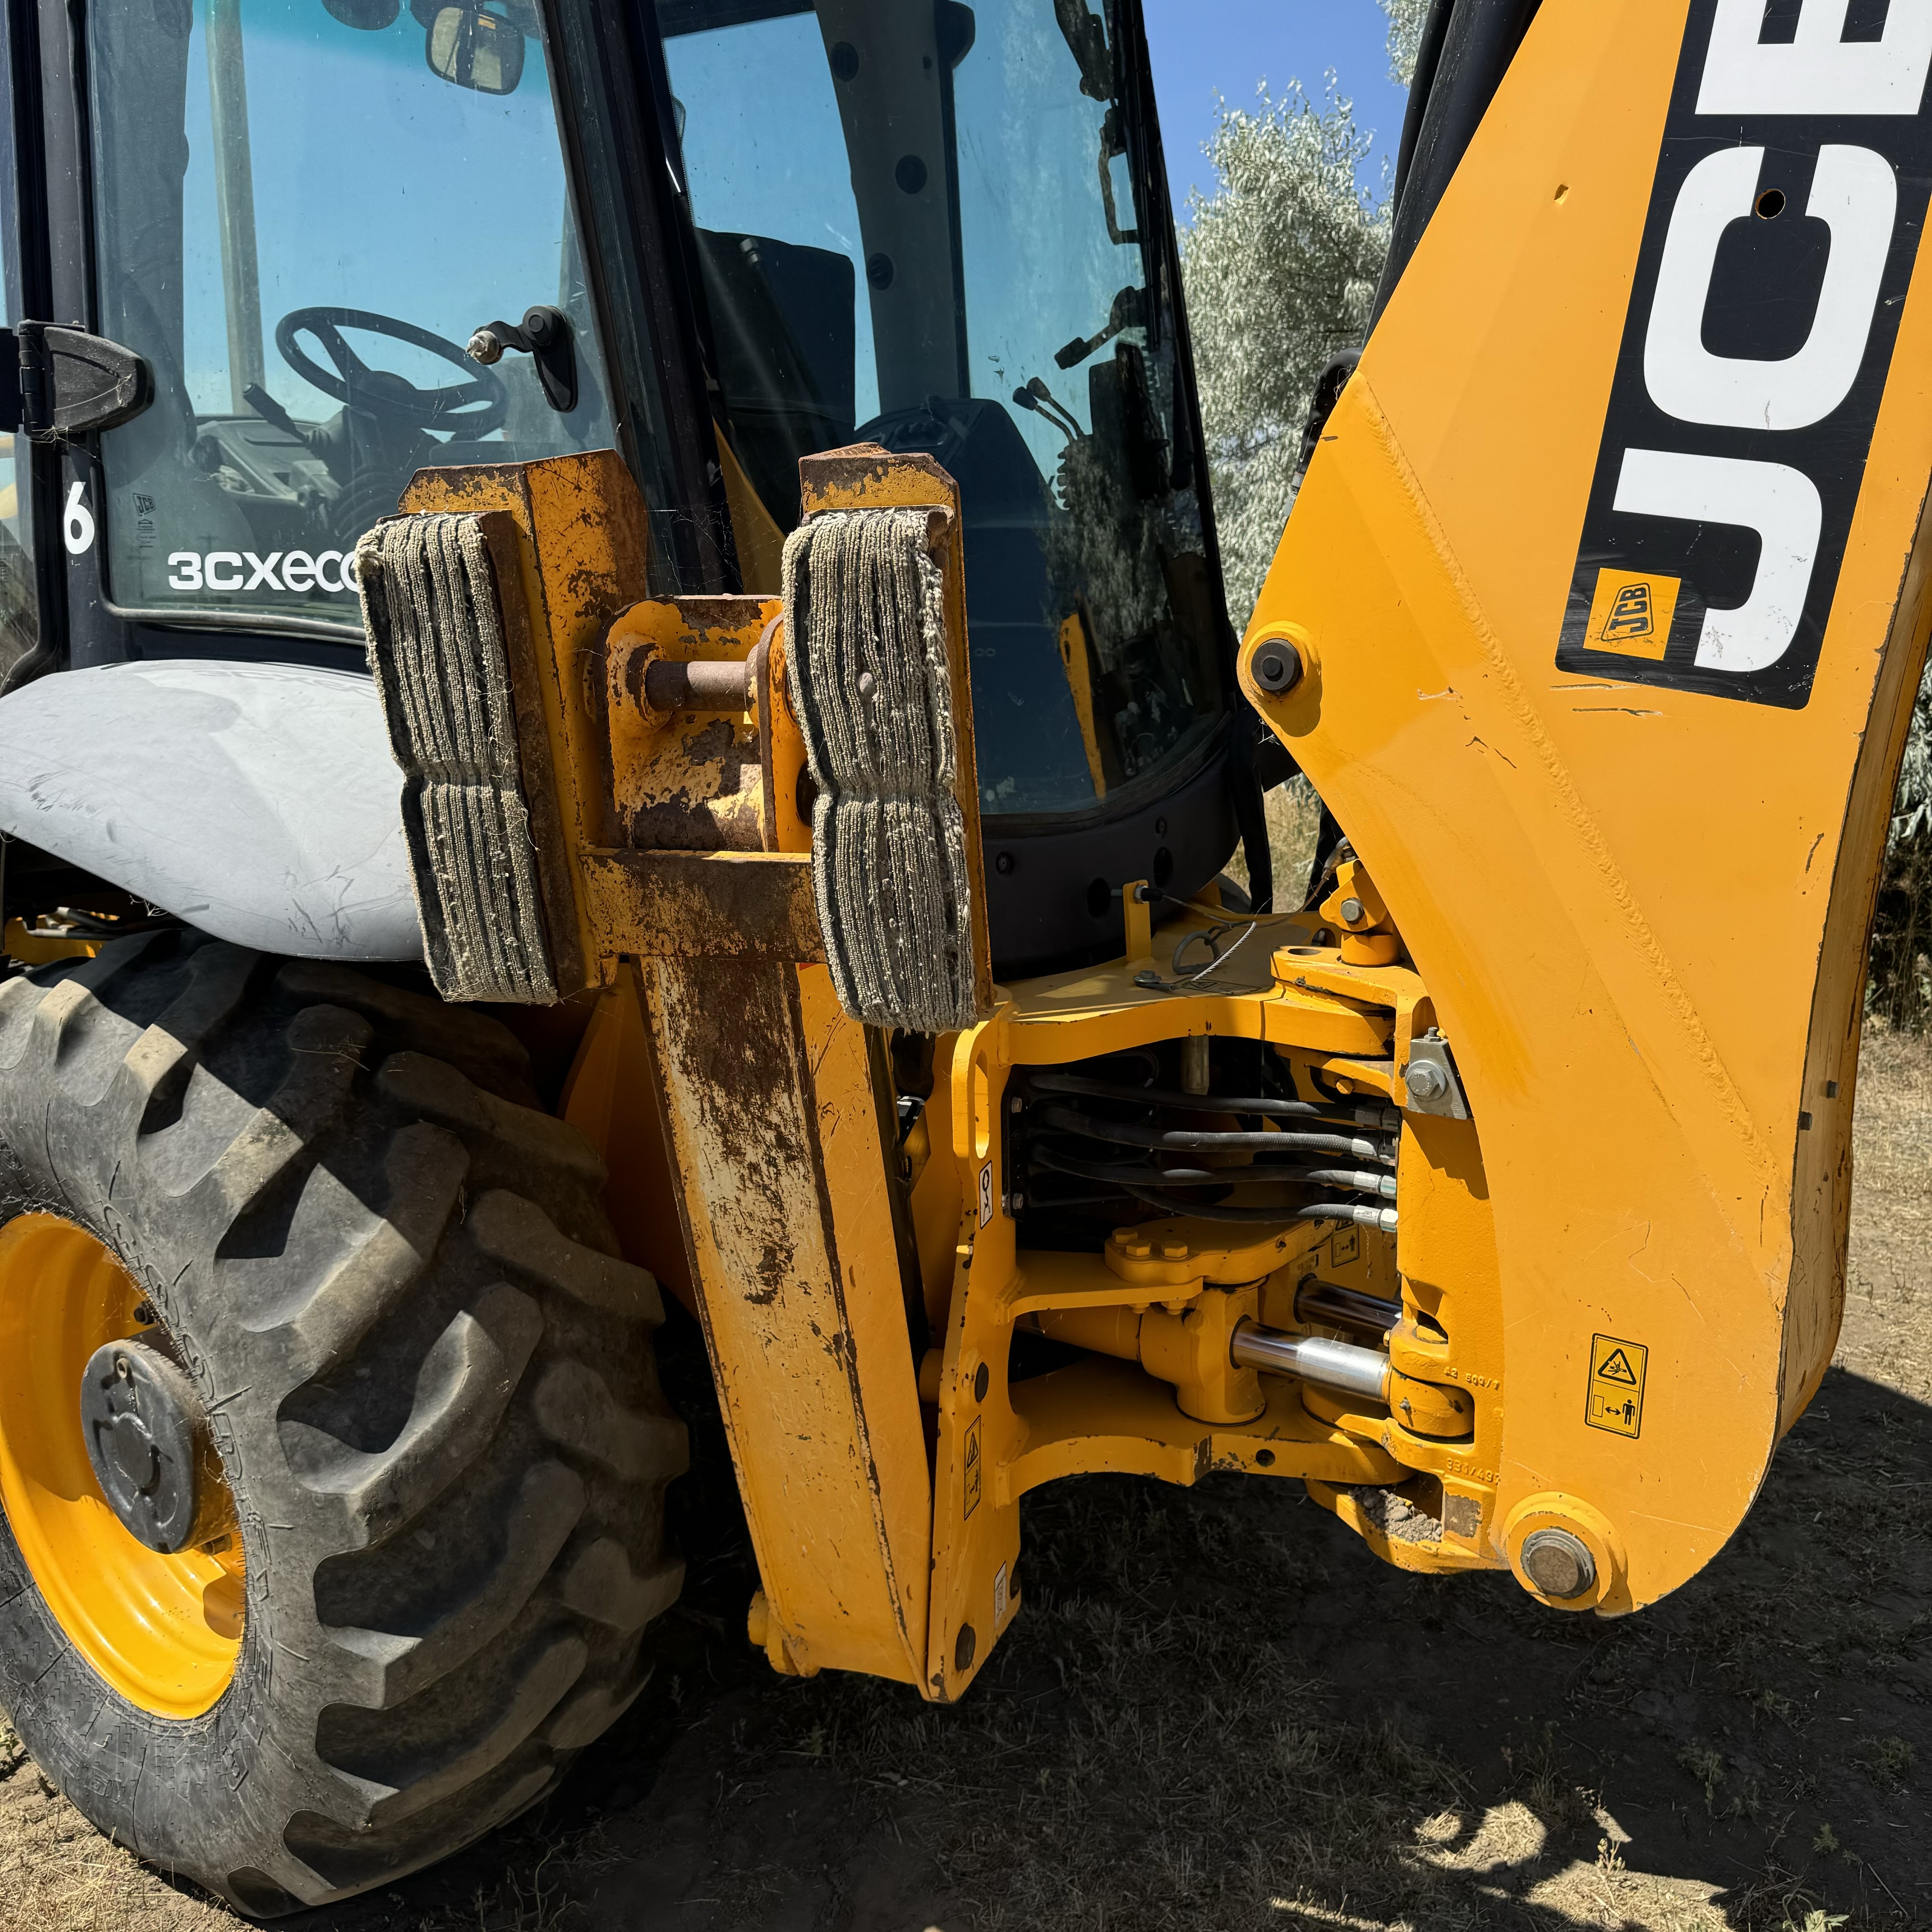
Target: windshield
304,209
948,240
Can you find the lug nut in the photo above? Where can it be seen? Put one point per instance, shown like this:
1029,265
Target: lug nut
1427,1081
1277,667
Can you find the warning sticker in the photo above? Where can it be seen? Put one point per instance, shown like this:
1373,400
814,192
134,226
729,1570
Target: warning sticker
972,1465
1348,1245
1615,1399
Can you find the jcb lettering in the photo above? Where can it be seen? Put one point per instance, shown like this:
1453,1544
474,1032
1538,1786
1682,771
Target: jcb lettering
1854,193
1774,263
1817,69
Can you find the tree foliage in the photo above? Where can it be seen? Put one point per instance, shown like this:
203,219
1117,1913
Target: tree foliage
1900,988
1280,263
1404,35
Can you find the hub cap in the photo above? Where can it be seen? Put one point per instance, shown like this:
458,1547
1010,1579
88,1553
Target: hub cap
147,1440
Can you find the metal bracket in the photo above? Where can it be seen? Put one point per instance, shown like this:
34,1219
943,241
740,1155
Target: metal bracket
544,336
1431,1080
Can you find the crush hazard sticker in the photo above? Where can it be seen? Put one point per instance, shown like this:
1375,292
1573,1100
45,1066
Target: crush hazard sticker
1615,1399
974,1468
1784,222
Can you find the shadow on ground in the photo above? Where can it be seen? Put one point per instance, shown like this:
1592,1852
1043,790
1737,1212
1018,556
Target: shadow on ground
1219,1710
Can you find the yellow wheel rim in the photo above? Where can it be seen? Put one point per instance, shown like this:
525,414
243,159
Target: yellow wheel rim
163,1630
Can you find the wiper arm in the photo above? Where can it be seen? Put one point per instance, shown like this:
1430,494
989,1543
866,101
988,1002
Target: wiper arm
1085,35
1129,311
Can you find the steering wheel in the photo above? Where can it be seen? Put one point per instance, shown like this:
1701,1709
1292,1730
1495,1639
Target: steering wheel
382,392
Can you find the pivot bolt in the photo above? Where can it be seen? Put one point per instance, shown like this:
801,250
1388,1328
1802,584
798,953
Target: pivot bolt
1558,1563
1351,910
1427,1081
1277,667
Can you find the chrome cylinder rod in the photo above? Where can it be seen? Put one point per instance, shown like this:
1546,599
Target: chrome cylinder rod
1335,1365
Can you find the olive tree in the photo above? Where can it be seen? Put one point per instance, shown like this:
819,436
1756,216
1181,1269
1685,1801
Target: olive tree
1404,35
1281,260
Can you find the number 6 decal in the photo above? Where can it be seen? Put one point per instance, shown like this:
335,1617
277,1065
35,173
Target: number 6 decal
77,526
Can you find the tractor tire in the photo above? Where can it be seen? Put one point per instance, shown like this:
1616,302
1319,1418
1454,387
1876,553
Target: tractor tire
426,1380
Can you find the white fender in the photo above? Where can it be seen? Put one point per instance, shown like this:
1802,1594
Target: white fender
259,802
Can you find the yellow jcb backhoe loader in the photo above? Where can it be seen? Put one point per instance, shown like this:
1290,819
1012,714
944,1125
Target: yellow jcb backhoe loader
725,797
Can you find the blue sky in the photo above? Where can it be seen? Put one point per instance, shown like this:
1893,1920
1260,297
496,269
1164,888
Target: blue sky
1200,47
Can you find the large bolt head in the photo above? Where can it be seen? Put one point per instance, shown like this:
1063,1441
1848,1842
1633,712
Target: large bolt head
1558,1563
1277,667
1351,910
1427,1081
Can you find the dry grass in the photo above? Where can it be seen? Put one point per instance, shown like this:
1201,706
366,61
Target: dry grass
1293,818
1886,1331
57,1874
1220,1712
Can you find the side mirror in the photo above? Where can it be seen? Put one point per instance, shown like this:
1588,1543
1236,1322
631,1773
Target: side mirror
471,49
57,383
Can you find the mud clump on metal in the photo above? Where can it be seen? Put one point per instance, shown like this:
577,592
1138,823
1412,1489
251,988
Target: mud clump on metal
867,667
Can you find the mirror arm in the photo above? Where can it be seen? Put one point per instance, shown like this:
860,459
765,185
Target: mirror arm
544,336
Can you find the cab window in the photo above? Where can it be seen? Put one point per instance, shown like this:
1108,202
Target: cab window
303,210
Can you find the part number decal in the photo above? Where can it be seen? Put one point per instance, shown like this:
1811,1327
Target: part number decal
985,1193
1000,1597
1616,1400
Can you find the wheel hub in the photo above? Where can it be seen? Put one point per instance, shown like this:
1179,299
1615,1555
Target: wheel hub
147,1438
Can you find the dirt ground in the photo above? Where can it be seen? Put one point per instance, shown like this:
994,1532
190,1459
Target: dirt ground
1219,1711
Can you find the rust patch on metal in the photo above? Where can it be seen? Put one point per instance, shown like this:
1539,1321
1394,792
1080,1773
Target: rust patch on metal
724,905
704,790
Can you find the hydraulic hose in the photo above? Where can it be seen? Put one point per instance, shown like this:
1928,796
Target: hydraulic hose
1387,1119
1067,1120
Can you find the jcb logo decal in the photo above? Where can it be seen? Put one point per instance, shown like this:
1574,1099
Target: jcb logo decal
1790,194
1630,615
